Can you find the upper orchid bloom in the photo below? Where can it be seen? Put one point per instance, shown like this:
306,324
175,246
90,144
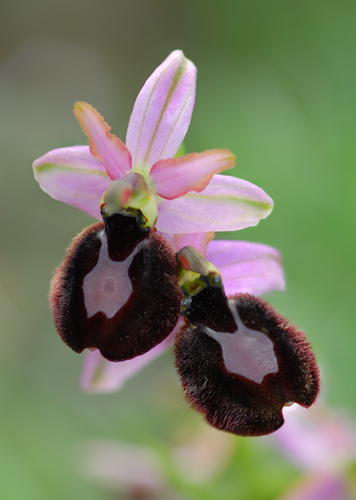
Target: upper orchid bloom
190,195
245,268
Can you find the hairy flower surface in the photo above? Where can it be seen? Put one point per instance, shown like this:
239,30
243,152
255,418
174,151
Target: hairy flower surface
117,290
255,362
149,274
190,194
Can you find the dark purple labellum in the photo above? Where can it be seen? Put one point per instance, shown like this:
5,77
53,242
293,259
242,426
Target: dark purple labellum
209,306
240,381
117,290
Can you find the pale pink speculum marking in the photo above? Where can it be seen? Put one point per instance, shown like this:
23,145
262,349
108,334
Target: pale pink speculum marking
108,287
246,352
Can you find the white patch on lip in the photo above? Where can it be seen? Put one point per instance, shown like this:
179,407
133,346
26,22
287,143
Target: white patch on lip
246,352
108,287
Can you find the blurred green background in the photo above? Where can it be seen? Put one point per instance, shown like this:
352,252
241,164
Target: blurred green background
276,85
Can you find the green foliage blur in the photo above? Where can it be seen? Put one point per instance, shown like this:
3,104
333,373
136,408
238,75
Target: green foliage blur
276,85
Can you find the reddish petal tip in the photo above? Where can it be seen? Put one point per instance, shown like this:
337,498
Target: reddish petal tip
103,145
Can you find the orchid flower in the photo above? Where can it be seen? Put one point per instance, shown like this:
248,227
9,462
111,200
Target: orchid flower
138,280
191,197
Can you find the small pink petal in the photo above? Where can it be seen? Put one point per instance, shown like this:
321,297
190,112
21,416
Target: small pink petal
102,376
247,267
132,471
196,240
177,176
227,204
318,439
162,111
105,146
204,454
73,176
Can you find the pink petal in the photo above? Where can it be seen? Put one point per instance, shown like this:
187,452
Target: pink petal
102,376
247,267
123,467
203,455
177,176
105,146
73,176
196,240
227,204
319,439
320,487
162,111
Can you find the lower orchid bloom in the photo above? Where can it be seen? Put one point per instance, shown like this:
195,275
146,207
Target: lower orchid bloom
138,280
239,361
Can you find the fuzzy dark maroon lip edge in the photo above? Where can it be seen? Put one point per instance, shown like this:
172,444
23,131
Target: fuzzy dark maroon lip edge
147,317
232,402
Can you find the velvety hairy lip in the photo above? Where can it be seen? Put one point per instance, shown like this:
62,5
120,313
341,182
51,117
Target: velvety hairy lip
241,380
117,290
